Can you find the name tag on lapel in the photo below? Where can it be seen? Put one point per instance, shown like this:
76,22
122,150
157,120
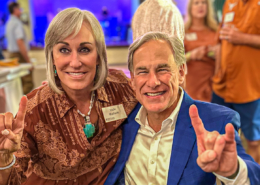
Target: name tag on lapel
114,113
191,36
229,17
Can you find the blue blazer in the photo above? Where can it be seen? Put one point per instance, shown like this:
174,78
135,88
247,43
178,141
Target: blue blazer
183,166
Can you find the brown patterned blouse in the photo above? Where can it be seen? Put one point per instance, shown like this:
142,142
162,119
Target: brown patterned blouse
55,150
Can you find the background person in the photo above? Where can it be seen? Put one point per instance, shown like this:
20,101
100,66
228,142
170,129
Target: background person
1,55
199,40
67,137
2,92
17,45
157,15
236,84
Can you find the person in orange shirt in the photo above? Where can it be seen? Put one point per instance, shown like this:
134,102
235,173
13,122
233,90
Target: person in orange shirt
200,48
237,82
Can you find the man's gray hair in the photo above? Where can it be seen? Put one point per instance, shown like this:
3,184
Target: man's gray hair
175,43
66,23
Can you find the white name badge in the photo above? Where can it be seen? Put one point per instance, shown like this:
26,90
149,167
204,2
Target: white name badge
114,113
229,17
191,36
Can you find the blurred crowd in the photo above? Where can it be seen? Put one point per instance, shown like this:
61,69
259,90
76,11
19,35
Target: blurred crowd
222,61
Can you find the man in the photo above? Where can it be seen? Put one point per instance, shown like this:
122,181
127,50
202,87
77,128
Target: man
17,43
237,83
165,141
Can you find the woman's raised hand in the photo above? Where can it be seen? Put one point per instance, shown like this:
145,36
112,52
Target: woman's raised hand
11,131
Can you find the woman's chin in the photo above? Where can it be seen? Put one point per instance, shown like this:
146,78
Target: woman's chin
77,87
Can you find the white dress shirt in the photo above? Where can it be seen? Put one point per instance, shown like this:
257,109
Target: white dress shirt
149,160
15,31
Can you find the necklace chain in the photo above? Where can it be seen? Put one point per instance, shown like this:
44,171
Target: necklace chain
87,117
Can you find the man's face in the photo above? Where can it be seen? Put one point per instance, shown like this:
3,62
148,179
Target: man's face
155,77
17,11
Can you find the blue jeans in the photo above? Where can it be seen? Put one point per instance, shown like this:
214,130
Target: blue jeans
249,114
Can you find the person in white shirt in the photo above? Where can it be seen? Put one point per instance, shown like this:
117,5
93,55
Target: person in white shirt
166,141
17,44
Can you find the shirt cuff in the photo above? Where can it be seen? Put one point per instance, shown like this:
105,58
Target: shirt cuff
241,178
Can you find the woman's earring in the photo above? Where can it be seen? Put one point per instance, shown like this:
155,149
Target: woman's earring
55,71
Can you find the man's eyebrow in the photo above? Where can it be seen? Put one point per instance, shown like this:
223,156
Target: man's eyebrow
163,66
140,68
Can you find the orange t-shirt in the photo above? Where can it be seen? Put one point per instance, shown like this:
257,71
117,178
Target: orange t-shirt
200,72
238,80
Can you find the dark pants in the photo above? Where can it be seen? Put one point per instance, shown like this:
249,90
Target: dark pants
249,114
27,80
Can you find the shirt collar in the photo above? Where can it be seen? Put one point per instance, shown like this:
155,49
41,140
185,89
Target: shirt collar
102,94
142,113
14,17
64,103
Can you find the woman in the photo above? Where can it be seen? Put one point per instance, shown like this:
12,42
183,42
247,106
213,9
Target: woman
200,50
71,129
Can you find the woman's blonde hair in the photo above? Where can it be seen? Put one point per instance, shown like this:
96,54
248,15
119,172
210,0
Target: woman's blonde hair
65,23
210,20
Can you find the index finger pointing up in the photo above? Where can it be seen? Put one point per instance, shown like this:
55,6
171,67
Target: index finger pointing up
196,121
230,132
22,109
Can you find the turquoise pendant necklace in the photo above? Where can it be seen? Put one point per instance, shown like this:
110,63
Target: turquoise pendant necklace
89,128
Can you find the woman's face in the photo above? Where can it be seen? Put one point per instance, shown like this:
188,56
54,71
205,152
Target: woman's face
199,9
76,60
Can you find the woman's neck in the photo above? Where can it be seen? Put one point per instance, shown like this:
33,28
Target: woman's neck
80,97
198,24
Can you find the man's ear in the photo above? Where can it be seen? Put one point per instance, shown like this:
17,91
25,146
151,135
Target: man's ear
132,80
182,73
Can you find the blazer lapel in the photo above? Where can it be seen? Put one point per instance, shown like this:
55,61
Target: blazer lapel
130,129
183,142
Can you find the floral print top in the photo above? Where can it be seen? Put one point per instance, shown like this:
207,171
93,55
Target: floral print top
55,150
